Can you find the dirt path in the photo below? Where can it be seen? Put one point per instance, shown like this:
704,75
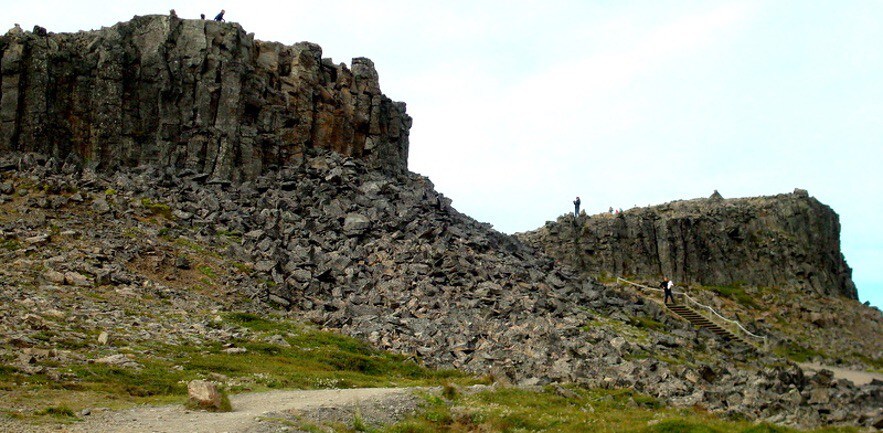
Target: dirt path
246,416
857,377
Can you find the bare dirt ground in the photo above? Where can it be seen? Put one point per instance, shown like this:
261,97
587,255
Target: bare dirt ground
857,377
252,413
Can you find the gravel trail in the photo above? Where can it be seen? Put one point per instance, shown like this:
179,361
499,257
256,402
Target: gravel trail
857,377
248,410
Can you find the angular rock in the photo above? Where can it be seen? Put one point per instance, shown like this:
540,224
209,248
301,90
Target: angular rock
204,394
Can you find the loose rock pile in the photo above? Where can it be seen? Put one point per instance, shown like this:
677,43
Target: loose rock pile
389,260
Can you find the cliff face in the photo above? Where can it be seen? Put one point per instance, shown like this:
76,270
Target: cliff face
191,94
788,239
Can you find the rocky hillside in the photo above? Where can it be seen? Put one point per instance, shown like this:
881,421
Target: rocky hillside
382,258
190,94
166,148
785,240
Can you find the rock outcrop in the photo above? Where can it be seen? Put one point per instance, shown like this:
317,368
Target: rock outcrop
192,94
787,239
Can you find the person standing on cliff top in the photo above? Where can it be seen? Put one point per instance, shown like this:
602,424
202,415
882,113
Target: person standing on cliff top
576,207
220,16
666,286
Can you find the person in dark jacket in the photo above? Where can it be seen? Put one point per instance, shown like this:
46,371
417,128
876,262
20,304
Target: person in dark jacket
576,207
220,16
666,286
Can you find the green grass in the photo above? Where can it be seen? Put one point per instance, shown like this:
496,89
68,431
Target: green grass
875,363
10,245
208,272
157,208
315,359
517,410
58,412
230,236
796,352
737,293
646,323
196,247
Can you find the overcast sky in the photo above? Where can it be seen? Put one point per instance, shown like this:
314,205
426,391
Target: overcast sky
519,106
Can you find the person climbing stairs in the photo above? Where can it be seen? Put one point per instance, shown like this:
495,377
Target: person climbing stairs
698,320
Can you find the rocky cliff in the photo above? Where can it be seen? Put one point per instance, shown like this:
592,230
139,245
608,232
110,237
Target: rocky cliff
192,94
787,239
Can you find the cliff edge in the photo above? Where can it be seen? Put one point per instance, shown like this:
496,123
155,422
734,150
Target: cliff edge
192,94
784,240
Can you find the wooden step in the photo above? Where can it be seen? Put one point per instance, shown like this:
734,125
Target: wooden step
702,322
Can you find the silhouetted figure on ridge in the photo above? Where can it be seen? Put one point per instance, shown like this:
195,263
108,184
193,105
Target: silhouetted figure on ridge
576,207
220,16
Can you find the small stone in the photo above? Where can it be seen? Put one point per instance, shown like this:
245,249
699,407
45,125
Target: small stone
77,279
100,205
265,266
182,215
278,340
119,360
36,240
356,224
182,262
54,277
102,338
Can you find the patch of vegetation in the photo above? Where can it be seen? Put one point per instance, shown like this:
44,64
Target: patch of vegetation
195,247
156,379
518,410
307,359
157,208
737,293
63,412
133,232
875,363
646,323
242,267
10,245
208,272
359,423
796,352
231,236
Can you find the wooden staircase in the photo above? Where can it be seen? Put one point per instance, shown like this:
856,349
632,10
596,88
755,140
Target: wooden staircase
700,321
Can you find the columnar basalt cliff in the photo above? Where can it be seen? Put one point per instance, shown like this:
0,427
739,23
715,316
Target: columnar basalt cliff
191,94
788,239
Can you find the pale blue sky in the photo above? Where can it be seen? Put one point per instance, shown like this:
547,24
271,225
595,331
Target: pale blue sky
520,106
